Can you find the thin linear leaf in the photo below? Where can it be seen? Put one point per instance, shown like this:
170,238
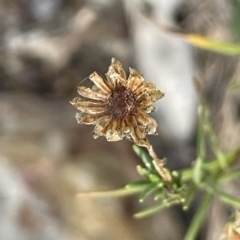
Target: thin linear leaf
214,140
154,178
231,157
200,41
212,165
177,179
201,148
190,192
142,171
225,197
146,159
197,170
149,211
198,218
148,190
186,174
137,184
230,176
212,45
111,193
158,194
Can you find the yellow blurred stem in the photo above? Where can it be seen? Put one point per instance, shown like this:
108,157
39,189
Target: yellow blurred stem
122,192
212,45
200,41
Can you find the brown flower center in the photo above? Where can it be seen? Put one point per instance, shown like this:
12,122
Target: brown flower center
121,102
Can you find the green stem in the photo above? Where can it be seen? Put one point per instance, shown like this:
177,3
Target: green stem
164,204
225,197
231,157
212,165
230,176
111,193
190,193
214,141
201,151
198,218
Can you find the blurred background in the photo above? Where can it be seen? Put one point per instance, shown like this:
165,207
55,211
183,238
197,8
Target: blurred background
47,47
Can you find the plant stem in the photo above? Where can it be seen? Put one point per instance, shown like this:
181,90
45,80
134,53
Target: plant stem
225,197
213,165
111,193
198,218
159,164
230,176
164,204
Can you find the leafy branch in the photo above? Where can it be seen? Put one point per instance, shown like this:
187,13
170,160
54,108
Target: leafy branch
205,176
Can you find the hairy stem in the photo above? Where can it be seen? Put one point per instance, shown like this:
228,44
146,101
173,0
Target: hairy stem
159,164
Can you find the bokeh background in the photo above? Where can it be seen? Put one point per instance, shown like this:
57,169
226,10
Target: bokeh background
47,47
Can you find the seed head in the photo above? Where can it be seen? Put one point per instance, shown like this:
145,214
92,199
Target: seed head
118,107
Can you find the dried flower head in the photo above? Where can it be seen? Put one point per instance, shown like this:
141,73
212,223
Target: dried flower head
118,106
232,229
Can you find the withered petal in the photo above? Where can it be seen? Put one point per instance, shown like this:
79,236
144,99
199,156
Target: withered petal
91,94
114,131
88,106
88,119
144,101
139,133
150,90
135,79
100,82
148,109
116,68
145,122
101,126
135,134
116,80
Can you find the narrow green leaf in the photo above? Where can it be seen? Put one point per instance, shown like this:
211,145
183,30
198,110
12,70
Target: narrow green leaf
197,171
214,141
142,171
201,148
186,174
158,194
137,184
177,179
166,203
229,199
213,45
122,192
230,176
146,159
154,178
148,189
198,218
201,151
221,158
212,165
200,41
230,157
190,192
150,211
225,197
